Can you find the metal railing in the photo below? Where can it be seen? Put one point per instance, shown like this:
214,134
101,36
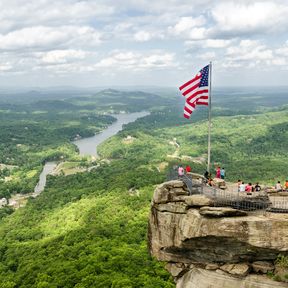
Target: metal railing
257,201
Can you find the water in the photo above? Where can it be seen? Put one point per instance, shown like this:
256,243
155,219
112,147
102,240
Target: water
47,169
88,146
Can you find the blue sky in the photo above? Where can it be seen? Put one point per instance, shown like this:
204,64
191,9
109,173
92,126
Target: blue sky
129,42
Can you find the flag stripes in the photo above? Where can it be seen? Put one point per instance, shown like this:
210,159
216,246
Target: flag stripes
196,91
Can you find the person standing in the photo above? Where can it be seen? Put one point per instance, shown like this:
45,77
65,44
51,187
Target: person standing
242,187
222,173
180,171
238,184
218,172
188,169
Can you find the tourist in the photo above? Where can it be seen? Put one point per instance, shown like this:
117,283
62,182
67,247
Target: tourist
218,172
180,171
257,187
222,173
242,187
188,169
239,182
248,188
286,185
278,187
211,182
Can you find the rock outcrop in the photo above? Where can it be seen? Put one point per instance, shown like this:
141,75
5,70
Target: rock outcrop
207,246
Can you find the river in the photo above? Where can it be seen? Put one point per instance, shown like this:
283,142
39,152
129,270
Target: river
47,169
88,146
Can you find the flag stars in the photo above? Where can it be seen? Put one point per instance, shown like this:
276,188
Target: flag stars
195,91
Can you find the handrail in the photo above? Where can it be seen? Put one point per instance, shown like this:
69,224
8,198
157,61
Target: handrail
239,200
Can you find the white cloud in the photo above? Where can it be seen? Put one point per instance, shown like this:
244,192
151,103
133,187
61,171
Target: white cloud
185,24
62,56
189,28
5,67
51,37
250,54
249,50
132,60
161,6
283,51
41,37
277,61
217,43
16,14
142,36
208,56
209,43
249,17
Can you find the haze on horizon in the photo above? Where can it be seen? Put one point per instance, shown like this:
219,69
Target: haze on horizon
130,43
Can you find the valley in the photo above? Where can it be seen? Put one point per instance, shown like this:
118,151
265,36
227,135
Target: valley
88,228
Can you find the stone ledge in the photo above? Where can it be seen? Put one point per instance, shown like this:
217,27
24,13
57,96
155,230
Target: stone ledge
221,212
240,270
262,267
198,201
170,191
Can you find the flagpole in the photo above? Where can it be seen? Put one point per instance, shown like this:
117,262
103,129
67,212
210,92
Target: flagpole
209,118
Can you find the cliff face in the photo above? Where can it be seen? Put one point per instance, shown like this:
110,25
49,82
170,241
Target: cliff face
207,246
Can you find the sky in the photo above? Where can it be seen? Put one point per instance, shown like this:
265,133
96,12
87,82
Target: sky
139,42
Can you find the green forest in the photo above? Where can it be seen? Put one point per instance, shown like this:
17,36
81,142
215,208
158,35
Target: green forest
89,229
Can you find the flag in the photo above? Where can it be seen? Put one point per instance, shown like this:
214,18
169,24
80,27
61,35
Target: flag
196,91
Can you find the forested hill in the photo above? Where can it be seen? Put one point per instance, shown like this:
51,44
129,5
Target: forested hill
250,147
89,229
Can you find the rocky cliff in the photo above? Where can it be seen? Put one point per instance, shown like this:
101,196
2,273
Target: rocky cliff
206,246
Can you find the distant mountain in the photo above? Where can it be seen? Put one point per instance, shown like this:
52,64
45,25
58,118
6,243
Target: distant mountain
118,100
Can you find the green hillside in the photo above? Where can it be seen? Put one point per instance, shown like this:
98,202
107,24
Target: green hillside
250,147
85,230
90,229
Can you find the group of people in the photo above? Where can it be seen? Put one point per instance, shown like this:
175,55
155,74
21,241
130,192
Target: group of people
220,173
248,188
182,171
242,187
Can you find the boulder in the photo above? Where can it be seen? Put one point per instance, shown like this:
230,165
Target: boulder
172,207
169,191
262,267
192,236
198,201
175,268
221,212
201,278
240,270
219,182
212,266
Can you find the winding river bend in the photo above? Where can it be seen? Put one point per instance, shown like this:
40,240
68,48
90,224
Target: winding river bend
88,146
47,169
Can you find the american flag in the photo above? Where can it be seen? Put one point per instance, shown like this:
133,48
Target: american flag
196,91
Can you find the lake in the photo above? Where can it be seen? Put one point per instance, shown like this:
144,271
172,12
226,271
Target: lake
88,146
